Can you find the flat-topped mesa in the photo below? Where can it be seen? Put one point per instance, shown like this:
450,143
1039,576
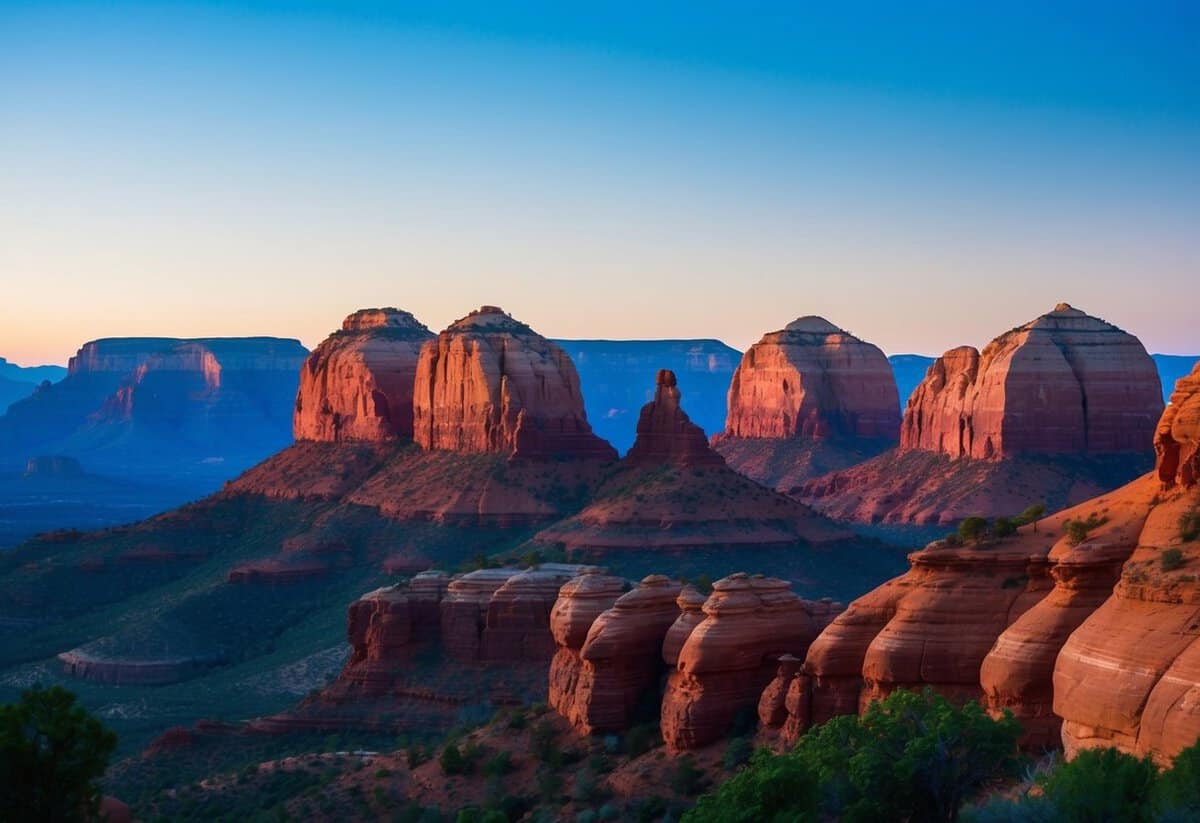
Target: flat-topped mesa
732,655
1129,676
580,601
665,434
358,384
813,380
1064,383
622,657
489,384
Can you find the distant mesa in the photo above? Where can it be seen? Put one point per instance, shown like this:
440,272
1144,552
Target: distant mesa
142,407
358,384
808,399
489,384
1055,411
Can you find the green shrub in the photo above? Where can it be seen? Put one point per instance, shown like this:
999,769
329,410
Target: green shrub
1101,784
1003,527
1177,794
737,753
499,765
453,762
543,741
52,756
685,778
773,788
972,529
1189,526
1078,530
1031,515
1171,559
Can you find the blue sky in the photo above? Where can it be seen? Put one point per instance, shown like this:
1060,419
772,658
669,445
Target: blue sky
924,174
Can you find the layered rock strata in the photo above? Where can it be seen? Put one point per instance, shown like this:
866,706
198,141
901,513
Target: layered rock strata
580,602
489,384
358,384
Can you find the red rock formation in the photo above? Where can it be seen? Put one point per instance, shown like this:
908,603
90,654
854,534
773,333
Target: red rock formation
1129,676
772,704
358,384
1061,409
807,400
813,380
666,435
672,492
1065,383
580,602
490,384
384,627
732,655
622,657
691,614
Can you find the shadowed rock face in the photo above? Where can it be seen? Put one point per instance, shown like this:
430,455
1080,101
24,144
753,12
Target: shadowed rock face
490,384
813,380
358,384
666,435
1065,383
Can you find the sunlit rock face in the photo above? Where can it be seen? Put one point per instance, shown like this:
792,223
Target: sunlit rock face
358,384
665,434
1065,383
490,384
1129,676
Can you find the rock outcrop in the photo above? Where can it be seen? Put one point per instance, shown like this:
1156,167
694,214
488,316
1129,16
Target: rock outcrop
674,492
1129,676
733,654
489,384
580,602
808,399
1056,411
621,659
1065,383
665,435
358,384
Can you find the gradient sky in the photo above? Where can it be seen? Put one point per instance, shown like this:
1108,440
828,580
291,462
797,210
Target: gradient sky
923,174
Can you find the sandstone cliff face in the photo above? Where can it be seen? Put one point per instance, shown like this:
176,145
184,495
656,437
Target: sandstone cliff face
1129,676
1056,411
732,655
490,384
813,380
1065,383
580,602
807,400
622,657
666,435
358,384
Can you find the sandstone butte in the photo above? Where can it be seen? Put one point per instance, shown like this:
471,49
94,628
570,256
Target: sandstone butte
672,491
621,659
731,656
1033,624
489,384
808,399
358,384
1057,411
